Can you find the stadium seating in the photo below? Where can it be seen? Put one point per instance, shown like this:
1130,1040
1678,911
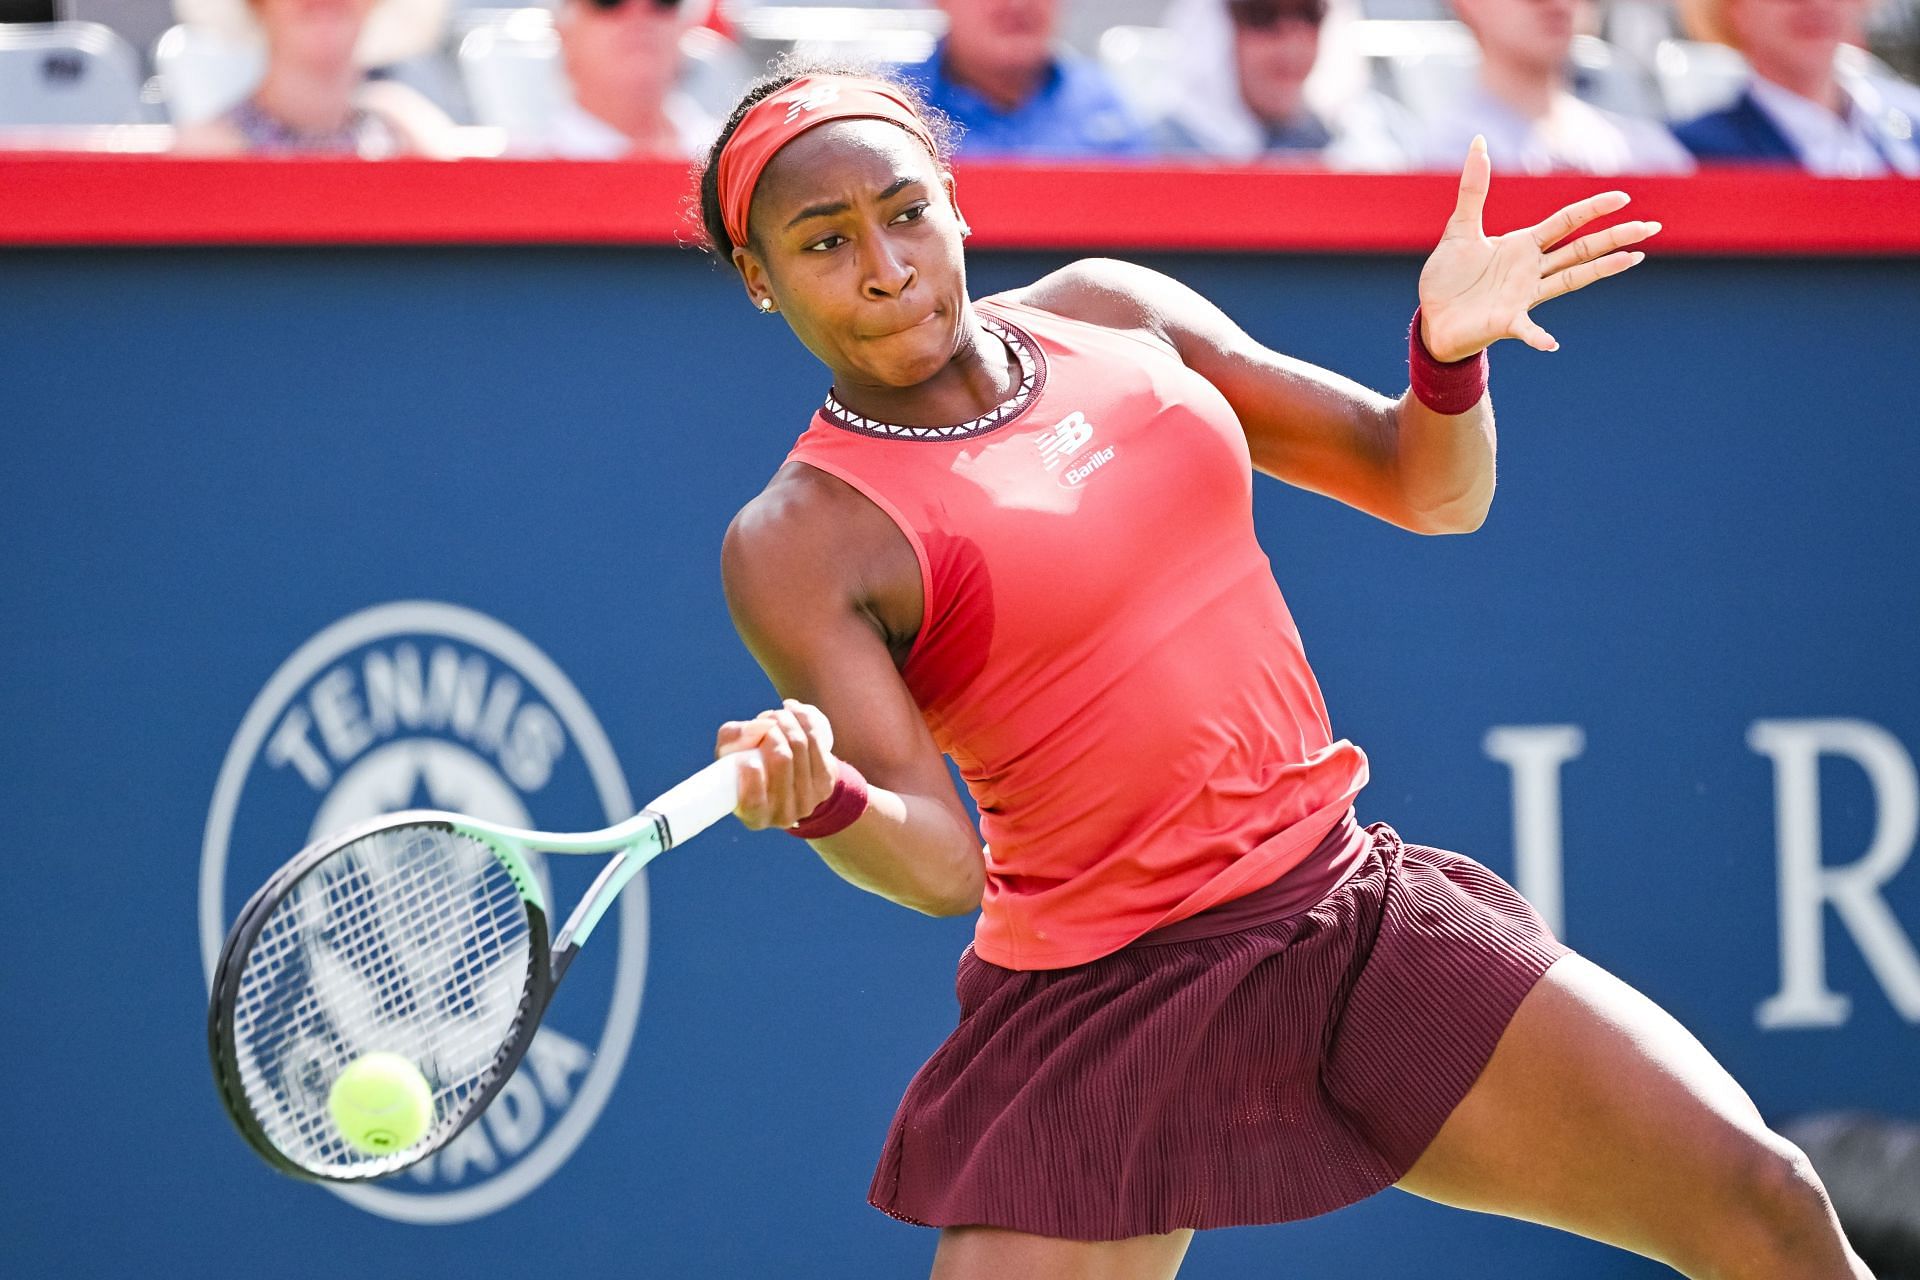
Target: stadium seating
511,68
139,22
201,73
867,33
1696,77
499,65
1140,60
68,73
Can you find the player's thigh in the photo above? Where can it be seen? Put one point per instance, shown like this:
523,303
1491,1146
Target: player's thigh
1599,1113
989,1253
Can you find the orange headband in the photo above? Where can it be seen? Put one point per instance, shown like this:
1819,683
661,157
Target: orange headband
776,120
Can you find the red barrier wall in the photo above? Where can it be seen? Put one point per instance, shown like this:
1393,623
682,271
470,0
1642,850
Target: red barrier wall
105,200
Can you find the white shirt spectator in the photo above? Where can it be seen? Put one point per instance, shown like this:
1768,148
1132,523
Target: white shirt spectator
574,133
1343,125
1873,139
1364,133
1574,136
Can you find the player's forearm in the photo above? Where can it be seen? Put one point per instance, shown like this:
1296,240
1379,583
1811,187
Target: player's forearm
1444,465
1398,460
910,850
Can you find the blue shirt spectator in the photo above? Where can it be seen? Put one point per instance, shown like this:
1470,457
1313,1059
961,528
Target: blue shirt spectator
1770,125
1077,112
999,75
1802,108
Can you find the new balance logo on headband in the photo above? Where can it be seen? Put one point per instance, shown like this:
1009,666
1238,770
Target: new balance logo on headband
812,100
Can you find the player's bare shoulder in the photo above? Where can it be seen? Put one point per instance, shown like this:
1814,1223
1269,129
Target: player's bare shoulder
796,530
1107,292
810,545
1141,301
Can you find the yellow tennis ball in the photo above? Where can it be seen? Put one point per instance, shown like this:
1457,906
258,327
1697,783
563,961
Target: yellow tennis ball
381,1104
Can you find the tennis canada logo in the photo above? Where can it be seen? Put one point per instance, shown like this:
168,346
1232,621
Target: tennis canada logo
423,705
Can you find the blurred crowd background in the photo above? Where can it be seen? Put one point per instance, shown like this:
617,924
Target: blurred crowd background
1595,86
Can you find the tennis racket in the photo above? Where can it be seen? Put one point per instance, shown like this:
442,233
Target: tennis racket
420,933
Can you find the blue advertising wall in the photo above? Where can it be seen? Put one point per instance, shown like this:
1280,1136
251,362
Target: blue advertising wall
219,466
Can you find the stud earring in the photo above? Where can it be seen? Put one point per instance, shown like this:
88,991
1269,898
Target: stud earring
766,305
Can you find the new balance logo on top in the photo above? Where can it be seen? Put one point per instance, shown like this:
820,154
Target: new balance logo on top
1066,439
1067,442
812,100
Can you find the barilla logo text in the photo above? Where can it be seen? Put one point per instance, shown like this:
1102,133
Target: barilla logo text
1080,471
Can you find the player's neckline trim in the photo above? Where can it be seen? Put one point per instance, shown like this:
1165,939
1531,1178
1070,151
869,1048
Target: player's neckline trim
1033,378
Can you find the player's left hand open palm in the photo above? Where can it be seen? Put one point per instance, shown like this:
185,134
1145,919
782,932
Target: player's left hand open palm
1475,291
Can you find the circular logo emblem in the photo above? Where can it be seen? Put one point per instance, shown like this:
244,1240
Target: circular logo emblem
422,705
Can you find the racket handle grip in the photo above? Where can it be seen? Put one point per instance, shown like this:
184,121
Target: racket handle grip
702,800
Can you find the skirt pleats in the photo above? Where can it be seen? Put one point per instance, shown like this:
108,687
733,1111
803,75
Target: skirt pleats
1276,1072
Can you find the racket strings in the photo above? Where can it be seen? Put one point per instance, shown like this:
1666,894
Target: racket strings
412,940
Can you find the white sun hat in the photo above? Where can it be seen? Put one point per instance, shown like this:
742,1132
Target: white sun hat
396,29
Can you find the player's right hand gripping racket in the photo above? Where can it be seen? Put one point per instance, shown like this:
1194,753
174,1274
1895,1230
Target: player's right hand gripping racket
420,933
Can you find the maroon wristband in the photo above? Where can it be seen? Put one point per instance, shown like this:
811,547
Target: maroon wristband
1447,387
842,807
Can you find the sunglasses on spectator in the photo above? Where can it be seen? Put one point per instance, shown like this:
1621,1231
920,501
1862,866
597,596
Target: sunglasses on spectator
1263,15
615,4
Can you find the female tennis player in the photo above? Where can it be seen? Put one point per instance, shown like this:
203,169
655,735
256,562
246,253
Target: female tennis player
1019,532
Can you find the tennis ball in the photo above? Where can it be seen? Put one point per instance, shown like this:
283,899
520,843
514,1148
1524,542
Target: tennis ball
381,1104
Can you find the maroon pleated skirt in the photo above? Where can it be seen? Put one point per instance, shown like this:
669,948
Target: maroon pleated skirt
1274,1072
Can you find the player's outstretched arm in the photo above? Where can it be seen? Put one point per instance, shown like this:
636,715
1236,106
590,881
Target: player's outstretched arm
1392,458
811,575
1474,291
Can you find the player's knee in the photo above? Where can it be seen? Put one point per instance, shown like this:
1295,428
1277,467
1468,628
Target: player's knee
1782,1217
1785,1184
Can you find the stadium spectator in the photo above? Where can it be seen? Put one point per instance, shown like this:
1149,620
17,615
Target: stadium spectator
1253,84
1522,102
1799,108
999,74
316,97
623,63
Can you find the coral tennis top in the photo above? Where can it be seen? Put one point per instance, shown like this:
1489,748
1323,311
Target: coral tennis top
1104,652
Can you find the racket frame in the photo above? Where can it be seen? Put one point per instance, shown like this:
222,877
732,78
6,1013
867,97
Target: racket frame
675,816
